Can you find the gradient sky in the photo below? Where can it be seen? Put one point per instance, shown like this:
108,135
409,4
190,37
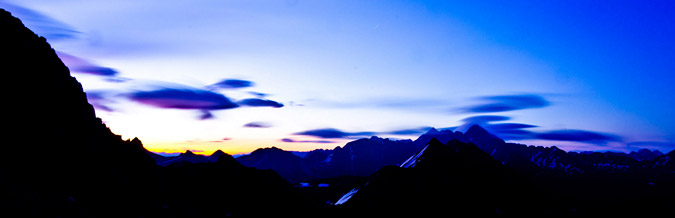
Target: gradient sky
301,75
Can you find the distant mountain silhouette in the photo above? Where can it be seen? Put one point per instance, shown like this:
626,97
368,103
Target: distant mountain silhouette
451,179
289,166
79,168
570,183
645,154
361,157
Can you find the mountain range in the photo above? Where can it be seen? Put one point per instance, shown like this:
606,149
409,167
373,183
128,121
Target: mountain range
62,161
363,157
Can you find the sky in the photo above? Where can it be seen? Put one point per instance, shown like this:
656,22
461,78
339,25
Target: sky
302,75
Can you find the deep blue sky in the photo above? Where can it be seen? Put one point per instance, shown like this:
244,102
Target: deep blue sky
237,75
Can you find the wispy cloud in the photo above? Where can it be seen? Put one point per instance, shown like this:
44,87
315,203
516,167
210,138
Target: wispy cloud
257,124
522,131
100,99
79,65
502,103
331,133
183,98
255,102
306,141
232,84
577,136
484,119
41,24
411,131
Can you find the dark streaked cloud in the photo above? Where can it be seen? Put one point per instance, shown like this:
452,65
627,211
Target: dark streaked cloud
79,65
502,103
511,131
331,133
232,84
577,136
206,115
258,94
306,141
183,98
484,119
412,131
258,125
521,131
100,99
255,102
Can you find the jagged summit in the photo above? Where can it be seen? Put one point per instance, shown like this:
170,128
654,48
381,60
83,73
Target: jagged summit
218,153
432,131
476,130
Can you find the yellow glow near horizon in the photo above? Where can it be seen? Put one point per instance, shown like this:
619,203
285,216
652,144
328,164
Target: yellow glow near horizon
234,146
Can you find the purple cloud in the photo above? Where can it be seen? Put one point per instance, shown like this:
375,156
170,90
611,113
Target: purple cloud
183,98
484,119
206,115
232,84
413,131
79,65
331,133
577,136
100,100
255,102
502,103
258,125
306,141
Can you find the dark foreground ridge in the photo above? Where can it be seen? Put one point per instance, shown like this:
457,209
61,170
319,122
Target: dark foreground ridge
60,160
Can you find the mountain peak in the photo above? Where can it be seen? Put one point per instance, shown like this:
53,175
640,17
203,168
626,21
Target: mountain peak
432,131
187,153
218,153
476,130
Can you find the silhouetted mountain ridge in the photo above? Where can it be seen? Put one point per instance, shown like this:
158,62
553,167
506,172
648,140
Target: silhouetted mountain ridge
452,179
79,168
535,181
364,156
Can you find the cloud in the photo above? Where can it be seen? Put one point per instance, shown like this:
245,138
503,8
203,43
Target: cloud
258,125
232,84
520,131
577,136
259,94
255,102
41,24
100,100
484,119
306,141
511,131
502,103
331,133
413,131
206,115
182,98
79,65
